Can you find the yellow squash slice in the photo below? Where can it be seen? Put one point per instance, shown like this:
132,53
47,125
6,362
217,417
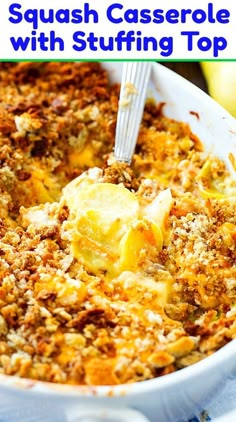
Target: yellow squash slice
104,213
141,239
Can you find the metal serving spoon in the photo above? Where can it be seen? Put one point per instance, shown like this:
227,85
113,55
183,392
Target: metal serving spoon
135,77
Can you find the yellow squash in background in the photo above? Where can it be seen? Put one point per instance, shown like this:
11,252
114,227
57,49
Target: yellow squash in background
221,81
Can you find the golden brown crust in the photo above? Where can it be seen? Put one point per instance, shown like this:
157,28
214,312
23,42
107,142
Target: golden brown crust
61,323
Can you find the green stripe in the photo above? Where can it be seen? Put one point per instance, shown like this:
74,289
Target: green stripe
117,60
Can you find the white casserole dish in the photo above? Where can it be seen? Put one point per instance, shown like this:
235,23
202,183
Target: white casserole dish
174,397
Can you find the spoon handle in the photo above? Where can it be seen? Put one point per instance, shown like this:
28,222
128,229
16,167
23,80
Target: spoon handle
134,83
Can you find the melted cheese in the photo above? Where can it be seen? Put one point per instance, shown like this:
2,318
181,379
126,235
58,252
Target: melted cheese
110,230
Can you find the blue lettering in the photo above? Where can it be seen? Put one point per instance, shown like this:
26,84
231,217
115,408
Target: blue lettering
190,35
218,44
33,41
20,43
53,41
172,16
46,19
18,15
88,12
184,13
211,18
199,16
92,40
131,16
110,10
204,44
166,44
38,42
145,16
158,16
82,43
222,16
63,16
31,16
76,16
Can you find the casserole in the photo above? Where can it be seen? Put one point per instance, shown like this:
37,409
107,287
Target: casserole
209,122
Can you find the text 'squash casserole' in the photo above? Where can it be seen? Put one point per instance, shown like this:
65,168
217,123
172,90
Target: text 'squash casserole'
109,273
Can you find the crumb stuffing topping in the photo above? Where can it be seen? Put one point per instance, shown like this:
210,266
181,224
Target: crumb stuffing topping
109,273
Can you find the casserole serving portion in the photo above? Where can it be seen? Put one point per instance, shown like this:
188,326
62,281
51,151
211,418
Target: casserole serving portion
109,274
